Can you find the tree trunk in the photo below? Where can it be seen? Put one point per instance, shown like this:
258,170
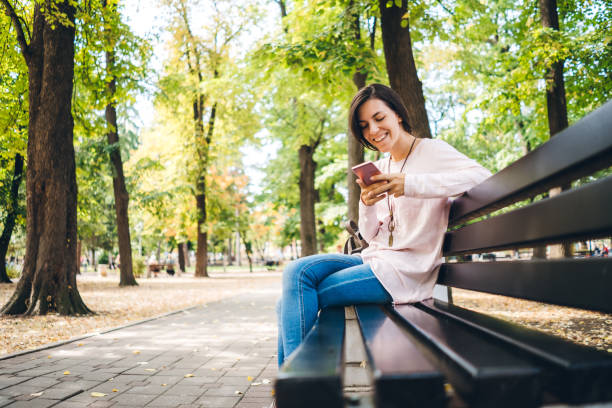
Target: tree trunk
308,233
555,85
48,281
94,261
355,149
201,269
556,105
187,258
248,249
238,258
181,256
79,249
119,189
11,217
401,68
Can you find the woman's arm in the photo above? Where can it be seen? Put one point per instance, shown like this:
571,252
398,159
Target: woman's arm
368,221
455,173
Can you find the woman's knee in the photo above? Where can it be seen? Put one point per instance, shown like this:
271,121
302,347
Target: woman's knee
294,271
291,274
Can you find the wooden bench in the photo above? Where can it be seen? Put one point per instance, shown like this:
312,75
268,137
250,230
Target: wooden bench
413,352
156,268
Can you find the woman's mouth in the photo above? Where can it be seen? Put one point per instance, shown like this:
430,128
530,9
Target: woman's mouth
381,137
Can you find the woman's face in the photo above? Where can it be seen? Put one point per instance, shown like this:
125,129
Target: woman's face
380,125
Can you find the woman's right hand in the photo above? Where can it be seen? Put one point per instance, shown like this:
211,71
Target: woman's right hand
367,195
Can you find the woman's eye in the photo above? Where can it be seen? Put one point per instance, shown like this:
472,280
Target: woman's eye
363,126
379,119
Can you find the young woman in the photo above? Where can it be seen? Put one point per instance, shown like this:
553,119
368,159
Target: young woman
403,216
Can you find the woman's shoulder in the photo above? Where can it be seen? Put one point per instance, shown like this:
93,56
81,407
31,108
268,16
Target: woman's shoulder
438,144
437,147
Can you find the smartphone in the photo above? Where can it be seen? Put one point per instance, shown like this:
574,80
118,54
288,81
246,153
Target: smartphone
366,170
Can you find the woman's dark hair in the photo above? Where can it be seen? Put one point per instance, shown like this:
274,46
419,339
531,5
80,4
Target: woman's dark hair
383,93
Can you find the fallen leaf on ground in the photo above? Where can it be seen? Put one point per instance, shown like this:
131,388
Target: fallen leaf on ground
66,372
37,394
98,394
249,378
188,375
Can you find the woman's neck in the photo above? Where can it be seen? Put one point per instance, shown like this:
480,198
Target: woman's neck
402,148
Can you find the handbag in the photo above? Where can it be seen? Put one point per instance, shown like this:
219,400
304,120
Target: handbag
355,243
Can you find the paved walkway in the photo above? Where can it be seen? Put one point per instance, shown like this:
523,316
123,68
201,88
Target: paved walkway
219,355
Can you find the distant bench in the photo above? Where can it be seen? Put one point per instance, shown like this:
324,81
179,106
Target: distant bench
412,351
157,267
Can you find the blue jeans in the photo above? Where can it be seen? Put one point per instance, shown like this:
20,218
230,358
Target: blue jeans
318,281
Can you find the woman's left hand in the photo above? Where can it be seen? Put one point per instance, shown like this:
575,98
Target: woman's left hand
394,185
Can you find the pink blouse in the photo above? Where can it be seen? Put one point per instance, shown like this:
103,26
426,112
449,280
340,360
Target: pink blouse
435,173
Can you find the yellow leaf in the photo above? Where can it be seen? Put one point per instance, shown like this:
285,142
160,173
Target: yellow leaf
98,394
362,364
163,385
80,344
249,378
149,369
115,390
136,352
188,375
48,356
238,392
66,372
38,394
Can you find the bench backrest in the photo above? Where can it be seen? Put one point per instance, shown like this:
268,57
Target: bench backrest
582,213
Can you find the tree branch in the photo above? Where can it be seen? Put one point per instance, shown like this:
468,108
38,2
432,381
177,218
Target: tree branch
445,8
10,11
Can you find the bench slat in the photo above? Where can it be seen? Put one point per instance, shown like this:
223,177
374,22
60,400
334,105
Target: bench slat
575,373
576,214
312,375
577,151
403,377
483,371
547,281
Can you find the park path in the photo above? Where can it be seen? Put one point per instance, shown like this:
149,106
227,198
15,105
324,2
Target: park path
222,354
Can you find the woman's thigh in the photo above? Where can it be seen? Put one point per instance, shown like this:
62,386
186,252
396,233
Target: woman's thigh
353,285
311,270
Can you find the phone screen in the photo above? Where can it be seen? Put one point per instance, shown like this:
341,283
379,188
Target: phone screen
365,171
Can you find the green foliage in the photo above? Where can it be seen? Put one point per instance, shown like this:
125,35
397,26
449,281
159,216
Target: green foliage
138,266
13,271
485,75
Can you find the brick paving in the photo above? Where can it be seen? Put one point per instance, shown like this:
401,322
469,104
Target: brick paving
219,355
